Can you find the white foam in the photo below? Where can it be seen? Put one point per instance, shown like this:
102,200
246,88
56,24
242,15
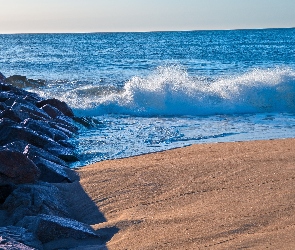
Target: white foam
172,91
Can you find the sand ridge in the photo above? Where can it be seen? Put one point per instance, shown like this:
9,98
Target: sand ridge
210,196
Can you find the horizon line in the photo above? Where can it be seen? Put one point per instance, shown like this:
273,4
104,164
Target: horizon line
151,31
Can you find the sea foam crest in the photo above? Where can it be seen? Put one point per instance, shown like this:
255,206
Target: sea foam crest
172,91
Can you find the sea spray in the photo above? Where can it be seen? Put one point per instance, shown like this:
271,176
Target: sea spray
171,91
154,91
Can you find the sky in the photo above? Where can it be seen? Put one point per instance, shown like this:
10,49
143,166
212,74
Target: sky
63,16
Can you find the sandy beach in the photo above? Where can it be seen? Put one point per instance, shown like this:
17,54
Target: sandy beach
213,196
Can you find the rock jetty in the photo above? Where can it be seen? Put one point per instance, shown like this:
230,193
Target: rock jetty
34,161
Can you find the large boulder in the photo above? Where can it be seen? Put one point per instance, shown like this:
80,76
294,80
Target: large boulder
51,111
54,173
48,228
31,152
16,168
67,123
31,200
44,128
52,169
60,105
25,111
17,133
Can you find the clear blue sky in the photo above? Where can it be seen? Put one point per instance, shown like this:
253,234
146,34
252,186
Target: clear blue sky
22,16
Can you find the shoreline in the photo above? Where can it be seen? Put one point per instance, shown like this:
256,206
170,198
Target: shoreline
217,195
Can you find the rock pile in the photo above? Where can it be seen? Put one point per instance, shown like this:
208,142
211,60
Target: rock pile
34,156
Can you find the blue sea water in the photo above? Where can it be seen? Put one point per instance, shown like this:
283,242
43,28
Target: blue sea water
152,91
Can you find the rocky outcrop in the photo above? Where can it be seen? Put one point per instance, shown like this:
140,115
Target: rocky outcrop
23,82
18,238
34,157
31,200
16,168
49,228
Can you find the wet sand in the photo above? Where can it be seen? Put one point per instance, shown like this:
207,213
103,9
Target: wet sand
213,196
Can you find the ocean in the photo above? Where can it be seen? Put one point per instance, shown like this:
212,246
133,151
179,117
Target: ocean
151,91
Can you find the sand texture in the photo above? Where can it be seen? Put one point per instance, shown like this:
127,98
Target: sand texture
213,196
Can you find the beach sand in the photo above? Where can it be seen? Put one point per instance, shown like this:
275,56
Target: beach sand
212,196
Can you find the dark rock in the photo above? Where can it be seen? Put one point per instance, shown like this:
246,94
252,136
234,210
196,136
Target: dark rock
54,173
61,128
5,191
18,238
11,134
63,153
52,169
31,152
5,95
32,98
3,106
44,128
2,78
10,114
51,111
31,200
23,82
17,168
87,122
67,144
14,133
5,122
12,89
24,111
67,123
16,146
61,106
48,228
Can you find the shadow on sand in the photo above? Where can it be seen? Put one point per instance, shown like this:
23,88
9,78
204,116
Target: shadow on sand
82,209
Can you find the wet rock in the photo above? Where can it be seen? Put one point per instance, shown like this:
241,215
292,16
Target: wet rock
17,168
24,111
66,123
23,82
31,200
18,238
32,98
10,114
61,106
2,78
14,133
15,91
62,152
61,128
51,111
45,128
54,173
48,228
31,151
11,134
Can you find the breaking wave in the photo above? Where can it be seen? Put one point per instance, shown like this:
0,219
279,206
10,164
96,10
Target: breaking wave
171,91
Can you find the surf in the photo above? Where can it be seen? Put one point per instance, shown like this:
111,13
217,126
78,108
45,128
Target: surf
172,91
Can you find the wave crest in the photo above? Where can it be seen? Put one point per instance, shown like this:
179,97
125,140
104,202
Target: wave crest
170,91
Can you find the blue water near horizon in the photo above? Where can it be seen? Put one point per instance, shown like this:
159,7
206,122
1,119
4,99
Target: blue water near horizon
153,91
